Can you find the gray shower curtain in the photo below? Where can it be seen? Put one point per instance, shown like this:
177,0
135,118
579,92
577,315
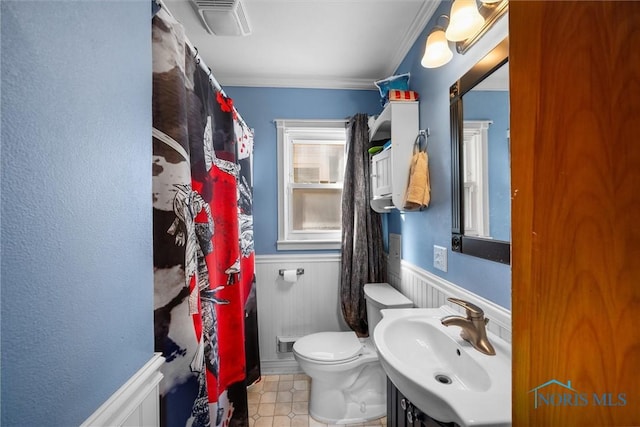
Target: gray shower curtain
362,246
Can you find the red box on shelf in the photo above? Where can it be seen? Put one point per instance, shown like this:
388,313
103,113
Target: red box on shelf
403,95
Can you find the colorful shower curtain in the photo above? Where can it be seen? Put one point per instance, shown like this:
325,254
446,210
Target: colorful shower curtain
203,240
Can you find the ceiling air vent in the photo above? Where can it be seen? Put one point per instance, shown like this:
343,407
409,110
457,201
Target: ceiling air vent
223,17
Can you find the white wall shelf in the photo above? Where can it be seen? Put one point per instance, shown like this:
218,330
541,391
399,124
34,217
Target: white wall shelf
390,169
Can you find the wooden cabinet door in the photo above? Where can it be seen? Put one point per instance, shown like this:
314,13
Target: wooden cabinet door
575,109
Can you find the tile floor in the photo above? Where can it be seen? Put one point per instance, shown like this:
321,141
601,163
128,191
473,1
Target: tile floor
283,401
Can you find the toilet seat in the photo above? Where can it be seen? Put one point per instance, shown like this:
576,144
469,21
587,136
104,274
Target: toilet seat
329,347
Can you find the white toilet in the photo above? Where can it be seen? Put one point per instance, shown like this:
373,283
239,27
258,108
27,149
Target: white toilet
348,384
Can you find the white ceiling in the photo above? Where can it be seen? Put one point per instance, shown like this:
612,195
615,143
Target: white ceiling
498,80
311,43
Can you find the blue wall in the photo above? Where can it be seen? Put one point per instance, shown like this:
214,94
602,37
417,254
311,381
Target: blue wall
421,230
259,107
77,270
494,105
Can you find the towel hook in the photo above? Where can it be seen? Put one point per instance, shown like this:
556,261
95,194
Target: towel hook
422,135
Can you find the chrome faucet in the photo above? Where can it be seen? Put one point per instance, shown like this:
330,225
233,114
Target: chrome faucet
473,326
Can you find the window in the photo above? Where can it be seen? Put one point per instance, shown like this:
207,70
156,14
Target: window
310,176
476,178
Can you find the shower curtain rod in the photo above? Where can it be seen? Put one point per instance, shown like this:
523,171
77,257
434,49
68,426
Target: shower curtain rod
200,61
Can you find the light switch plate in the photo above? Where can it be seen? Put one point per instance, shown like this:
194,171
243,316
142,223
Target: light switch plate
440,257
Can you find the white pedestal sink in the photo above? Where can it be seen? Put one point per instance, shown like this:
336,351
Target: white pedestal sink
442,374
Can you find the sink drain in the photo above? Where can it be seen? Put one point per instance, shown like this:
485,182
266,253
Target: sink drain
443,379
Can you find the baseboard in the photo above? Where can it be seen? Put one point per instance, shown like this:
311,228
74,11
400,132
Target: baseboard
279,367
135,403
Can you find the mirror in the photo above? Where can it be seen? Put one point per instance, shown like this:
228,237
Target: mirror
485,163
481,211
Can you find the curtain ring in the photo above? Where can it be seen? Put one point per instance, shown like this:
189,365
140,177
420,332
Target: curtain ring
196,57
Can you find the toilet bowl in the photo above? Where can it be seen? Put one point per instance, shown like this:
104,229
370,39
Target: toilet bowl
348,384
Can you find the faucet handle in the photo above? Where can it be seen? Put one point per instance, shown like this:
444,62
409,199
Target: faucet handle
473,310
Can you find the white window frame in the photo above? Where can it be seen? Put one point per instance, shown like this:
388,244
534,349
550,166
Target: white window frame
329,131
476,178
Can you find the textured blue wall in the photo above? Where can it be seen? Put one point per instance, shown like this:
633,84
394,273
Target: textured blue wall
421,230
259,107
77,270
494,106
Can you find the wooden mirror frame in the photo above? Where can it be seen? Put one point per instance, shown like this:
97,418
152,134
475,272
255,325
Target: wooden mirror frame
494,250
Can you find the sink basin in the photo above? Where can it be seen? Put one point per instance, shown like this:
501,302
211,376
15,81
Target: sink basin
442,374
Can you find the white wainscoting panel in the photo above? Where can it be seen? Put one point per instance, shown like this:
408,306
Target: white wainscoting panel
136,403
311,304
428,290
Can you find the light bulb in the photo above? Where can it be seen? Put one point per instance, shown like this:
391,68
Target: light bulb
465,20
436,52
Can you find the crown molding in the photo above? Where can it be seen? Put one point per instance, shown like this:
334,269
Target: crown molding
423,16
414,31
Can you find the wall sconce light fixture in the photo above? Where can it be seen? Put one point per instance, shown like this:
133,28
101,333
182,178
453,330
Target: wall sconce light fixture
436,51
467,25
465,20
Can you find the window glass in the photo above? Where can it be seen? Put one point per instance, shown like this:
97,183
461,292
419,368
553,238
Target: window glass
316,209
318,163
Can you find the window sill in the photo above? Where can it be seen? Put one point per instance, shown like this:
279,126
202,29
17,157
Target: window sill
307,245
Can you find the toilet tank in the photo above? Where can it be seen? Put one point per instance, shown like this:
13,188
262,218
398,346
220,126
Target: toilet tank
381,296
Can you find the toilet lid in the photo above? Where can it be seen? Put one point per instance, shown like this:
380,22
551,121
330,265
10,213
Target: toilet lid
329,346
383,295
